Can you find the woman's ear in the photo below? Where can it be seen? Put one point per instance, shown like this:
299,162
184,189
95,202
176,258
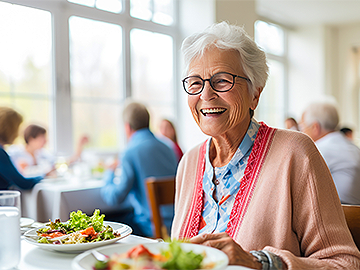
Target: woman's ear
255,100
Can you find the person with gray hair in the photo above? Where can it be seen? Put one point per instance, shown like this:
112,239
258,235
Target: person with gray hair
262,195
144,156
320,122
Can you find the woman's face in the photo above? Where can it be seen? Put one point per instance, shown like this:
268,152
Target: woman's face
167,130
38,142
218,113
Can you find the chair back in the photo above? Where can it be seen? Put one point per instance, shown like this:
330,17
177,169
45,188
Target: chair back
352,216
160,191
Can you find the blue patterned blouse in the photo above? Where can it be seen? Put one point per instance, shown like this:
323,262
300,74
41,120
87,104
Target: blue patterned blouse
227,179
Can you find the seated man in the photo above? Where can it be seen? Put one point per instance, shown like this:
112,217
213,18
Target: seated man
144,156
319,121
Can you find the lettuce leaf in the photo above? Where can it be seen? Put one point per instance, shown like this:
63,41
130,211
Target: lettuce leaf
80,221
180,259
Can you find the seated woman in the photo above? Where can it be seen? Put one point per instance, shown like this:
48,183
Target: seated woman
10,121
167,131
262,195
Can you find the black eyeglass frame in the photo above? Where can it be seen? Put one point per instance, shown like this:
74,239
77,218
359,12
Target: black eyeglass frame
209,80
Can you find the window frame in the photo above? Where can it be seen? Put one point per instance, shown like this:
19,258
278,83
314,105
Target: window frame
61,11
284,61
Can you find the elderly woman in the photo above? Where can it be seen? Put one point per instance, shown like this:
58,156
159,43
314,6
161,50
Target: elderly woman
264,196
10,121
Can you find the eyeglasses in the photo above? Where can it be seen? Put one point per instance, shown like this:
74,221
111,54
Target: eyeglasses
220,82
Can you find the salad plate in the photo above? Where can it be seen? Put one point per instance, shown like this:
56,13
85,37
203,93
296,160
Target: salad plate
123,229
214,257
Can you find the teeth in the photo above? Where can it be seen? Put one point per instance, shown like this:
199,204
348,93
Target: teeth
214,110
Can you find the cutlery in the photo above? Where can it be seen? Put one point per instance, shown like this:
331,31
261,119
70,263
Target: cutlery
99,256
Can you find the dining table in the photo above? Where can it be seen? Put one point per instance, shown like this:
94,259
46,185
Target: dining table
56,198
35,258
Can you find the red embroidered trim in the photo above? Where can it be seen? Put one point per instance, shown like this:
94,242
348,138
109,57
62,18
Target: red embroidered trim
192,222
246,189
249,180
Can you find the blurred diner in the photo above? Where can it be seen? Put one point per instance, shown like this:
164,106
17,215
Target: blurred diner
10,177
262,195
348,132
168,135
320,121
144,156
291,123
33,159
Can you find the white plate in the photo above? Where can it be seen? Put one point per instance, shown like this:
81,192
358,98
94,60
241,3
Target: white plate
123,229
25,222
86,261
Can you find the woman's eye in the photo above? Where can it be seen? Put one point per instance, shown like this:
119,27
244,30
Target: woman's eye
195,83
221,81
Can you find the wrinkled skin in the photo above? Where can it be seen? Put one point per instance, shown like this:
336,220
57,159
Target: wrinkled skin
228,127
222,241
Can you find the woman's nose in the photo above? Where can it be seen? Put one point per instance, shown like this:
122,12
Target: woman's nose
208,93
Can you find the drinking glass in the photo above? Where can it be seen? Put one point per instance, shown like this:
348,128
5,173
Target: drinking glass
10,212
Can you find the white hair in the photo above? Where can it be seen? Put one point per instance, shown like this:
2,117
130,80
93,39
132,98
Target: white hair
325,114
230,37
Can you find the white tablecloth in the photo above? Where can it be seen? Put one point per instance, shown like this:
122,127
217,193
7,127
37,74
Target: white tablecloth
56,198
35,258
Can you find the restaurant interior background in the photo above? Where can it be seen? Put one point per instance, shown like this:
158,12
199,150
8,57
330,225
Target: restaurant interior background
69,65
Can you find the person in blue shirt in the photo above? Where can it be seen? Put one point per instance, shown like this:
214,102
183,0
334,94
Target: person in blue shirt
10,121
145,156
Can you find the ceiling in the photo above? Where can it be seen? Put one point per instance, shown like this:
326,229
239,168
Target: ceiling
294,13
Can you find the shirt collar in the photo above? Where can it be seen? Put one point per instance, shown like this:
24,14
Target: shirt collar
243,150
141,133
244,147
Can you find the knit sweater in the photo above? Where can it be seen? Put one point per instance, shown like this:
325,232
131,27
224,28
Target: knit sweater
287,203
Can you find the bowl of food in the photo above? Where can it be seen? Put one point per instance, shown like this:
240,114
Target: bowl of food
166,255
79,233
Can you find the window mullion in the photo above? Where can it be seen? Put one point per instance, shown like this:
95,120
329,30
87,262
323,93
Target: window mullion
62,103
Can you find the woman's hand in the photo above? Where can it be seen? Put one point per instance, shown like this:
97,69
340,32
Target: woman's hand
222,241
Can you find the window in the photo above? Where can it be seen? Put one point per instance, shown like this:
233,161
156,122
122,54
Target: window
25,66
272,99
103,51
107,5
96,80
272,106
158,11
152,72
270,37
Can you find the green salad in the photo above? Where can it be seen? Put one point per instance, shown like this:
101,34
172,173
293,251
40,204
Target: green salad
80,228
171,257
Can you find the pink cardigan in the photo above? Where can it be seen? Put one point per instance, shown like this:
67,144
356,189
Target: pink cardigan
287,203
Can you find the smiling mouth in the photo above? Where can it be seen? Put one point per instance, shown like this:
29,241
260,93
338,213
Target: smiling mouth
212,111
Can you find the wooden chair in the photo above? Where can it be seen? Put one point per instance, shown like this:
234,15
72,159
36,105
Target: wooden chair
352,215
160,191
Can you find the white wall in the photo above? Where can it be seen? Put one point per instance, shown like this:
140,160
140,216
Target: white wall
306,67
349,37
321,67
